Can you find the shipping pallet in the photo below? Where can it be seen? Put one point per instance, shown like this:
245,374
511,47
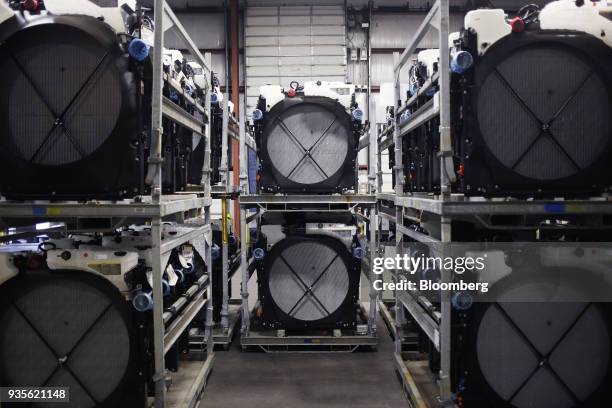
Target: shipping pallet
417,380
410,341
221,338
186,386
387,313
271,342
312,341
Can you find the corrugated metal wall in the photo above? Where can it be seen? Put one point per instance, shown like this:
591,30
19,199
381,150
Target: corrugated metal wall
286,43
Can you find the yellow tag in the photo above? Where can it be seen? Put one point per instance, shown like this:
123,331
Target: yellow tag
54,211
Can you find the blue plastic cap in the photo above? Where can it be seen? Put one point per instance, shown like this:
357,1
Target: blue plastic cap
461,62
405,116
430,274
166,287
189,269
359,252
138,49
215,252
214,98
257,114
462,301
190,89
259,254
142,302
357,114
414,88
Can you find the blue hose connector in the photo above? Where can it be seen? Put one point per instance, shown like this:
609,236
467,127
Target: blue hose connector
359,252
430,274
166,289
257,115
188,270
404,117
414,88
462,301
138,49
143,301
259,254
357,114
461,62
189,89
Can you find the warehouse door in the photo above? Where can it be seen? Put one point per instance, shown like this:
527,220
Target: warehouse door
293,43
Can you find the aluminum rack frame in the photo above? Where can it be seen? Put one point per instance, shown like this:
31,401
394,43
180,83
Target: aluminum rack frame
437,17
157,208
223,331
444,208
300,203
167,325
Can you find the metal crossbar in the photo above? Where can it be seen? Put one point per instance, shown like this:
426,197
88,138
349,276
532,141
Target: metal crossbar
307,152
59,119
62,360
543,358
309,289
544,126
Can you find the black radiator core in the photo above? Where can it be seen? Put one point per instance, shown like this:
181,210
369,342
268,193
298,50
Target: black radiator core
514,339
538,117
309,282
69,118
73,329
307,145
534,354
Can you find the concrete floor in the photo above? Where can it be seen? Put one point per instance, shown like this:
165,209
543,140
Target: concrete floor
258,380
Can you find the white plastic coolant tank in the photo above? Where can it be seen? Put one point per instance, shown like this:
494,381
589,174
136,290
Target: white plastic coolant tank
591,18
489,25
114,15
333,90
273,95
429,58
113,265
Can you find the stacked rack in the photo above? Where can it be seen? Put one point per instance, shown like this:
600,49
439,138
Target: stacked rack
228,247
288,336
440,214
189,213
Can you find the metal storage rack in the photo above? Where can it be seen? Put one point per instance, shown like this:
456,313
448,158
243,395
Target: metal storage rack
440,210
191,211
223,332
269,342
